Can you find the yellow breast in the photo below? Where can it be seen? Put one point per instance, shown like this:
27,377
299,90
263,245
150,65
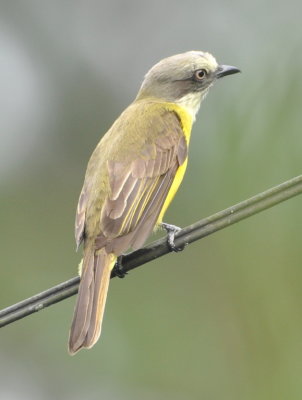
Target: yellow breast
186,121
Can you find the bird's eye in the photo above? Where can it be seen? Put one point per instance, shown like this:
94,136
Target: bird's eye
200,74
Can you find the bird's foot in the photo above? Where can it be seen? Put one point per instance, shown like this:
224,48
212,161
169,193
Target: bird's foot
118,268
171,231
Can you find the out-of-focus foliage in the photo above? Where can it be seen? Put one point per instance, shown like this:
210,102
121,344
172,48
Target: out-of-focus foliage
221,320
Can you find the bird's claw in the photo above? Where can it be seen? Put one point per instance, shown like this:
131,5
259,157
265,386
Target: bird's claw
118,269
171,231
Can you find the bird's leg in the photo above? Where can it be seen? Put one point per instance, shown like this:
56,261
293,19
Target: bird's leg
171,231
118,268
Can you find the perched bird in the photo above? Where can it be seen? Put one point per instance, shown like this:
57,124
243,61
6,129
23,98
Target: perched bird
132,176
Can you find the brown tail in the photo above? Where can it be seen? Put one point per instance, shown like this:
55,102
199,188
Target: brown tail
89,310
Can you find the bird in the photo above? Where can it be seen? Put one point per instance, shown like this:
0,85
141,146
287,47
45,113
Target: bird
133,175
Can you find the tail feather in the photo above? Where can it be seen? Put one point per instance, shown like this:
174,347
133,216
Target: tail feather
89,310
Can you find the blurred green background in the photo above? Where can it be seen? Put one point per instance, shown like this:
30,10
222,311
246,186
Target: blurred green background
222,320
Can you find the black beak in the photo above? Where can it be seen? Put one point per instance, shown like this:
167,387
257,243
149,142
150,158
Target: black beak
224,70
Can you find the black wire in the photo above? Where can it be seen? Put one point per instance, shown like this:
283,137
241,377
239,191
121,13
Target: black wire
160,247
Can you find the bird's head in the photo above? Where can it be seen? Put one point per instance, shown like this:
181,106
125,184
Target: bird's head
183,79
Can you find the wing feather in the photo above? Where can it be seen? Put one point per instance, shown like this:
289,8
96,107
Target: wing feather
137,205
139,183
80,218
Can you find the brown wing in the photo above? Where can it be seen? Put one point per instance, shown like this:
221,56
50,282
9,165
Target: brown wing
80,217
139,179
138,192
